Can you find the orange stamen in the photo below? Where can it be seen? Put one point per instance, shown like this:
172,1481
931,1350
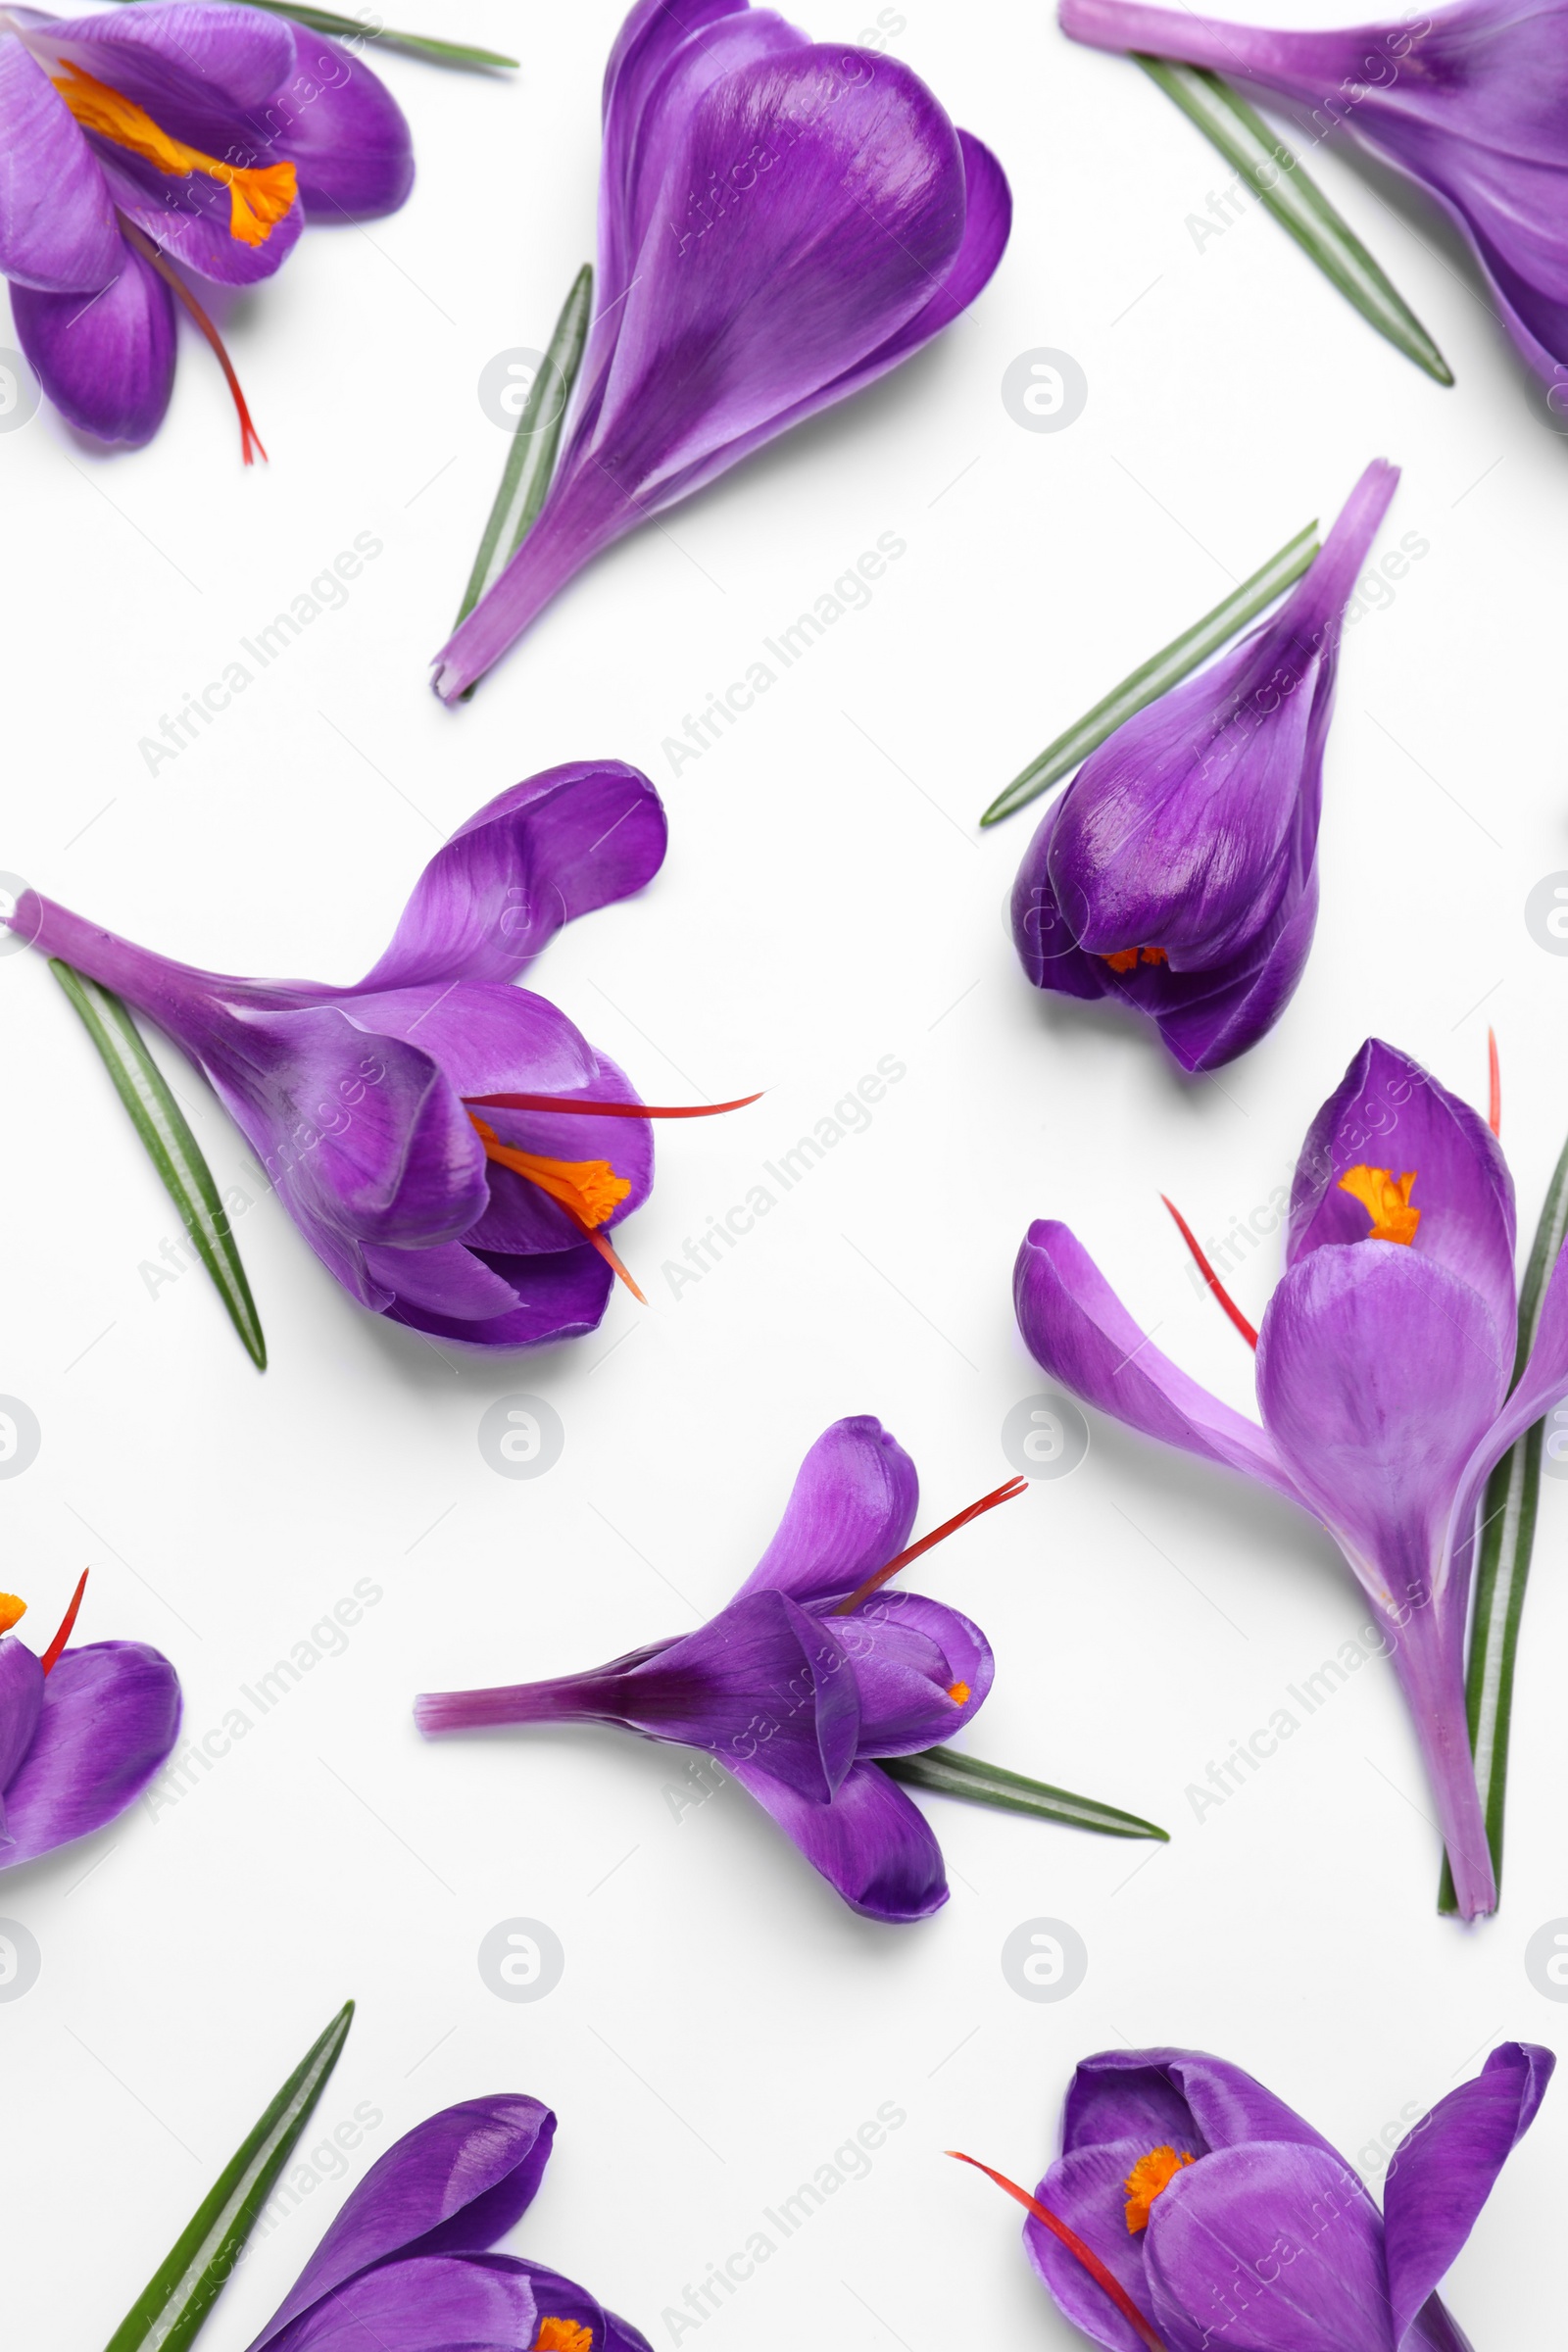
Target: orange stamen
51,1657
1098,2272
589,1188
1210,1277
959,1692
949,1527
258,199
12,1611
250,438
607,1110
1494,1083
562,2335
1149,2178
1387,1201
1124,959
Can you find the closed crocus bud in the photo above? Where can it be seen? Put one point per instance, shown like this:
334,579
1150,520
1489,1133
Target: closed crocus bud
1472,102
1178,872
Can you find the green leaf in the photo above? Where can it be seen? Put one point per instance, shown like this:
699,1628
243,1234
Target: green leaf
531,457
955,1775
1507,1538
355,29
1299,204
171,1146
170,2313
1157,675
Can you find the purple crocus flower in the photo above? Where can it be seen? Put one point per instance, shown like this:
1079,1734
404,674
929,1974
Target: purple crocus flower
81,1733
1472,102
1191,2209
1384,1370
406,2267
199,134
779,224
1178,871
452,1148
804,1680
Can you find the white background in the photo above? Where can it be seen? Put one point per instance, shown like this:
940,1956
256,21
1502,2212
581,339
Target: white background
723,2023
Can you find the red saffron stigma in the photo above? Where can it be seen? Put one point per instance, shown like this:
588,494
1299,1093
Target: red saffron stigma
1210,1277
51,1657
1494,1083
1098,2272
250,438
987,1503
608,1111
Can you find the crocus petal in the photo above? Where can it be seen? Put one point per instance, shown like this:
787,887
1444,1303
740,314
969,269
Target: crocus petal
559,2298
910,1655
58,231
1542,1384
1076,1327
559,1296
1444,2171
848,1513
192,55
1182,2098
1280,2247
520,1216
550,849
488,1038
107,360
1387,1112
1206,1021
452,2185
189,218
871,1844
448,1281
1044,932
1087,2189
109,1719
22,1687
428,2303
347,137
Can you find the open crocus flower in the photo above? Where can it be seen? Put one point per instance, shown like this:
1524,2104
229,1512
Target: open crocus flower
804,1679
1178,871
1383,1369
81,1733
199,134
1190,2208
778,226
452,1148
406,2266
1472,102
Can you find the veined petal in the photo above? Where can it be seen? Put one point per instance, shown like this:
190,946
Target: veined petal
522,1218
1086,2188
109,1719
21,1688
1445,2170
911,1657
487,1037
848,1513
58,231
188,218
425,2303
872,1844
193,54
559,1297
452,2185
559,2298
1076,1327
1185,2099
1542,1384
344,133
448,1281
106,360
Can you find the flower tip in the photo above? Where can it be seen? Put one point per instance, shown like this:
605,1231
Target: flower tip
12,1608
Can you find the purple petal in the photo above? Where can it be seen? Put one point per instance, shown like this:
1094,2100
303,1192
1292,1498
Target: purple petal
487,1037
848,1513
872,1844
1387,1110
522,1218
189,218
106,360
1087,2189
21,1688
194,54
1179,2098
447,1280
552,848
559,1296
344,133
1444,2171
1542,1384
1076,1327
110,1718
454,2184
428,2303
1045,933
58,231
1267,2248
559,2298
909,1654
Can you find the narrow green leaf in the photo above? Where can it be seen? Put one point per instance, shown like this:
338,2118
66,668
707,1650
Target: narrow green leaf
531,455
355,29
1157,675
1299,204
1507,1538
954,1775
171,1146
170,2313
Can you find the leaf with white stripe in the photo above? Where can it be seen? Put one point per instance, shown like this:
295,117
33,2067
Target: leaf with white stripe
950,1774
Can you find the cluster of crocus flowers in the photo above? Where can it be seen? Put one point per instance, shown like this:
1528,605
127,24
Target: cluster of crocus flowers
81,1731
452,1148
147,143
1468,102
805,1679
1384,1378
779,224
407,2265
1191,2207
1178,871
